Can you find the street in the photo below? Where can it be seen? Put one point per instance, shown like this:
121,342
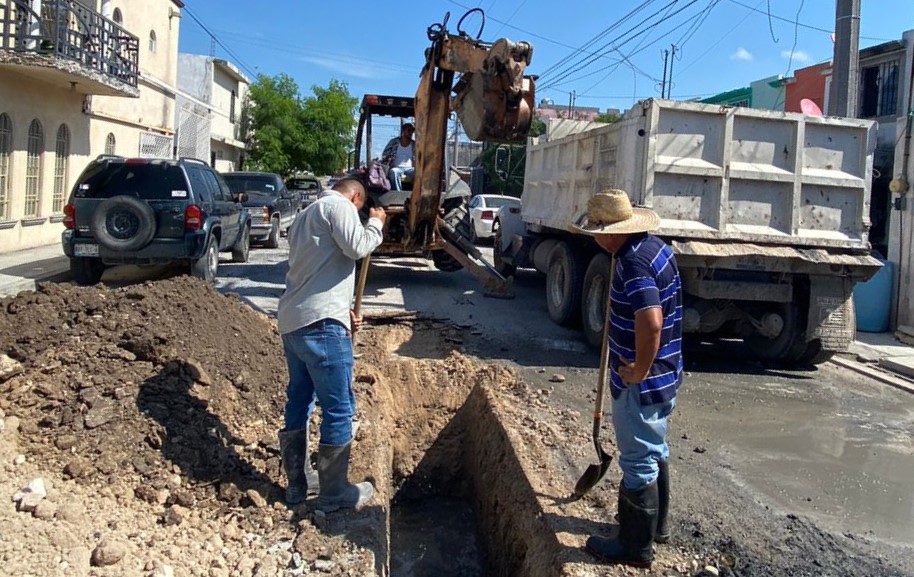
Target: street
824,444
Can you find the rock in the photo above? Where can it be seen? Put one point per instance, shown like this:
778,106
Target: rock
71,513
101,412
29,498
184,498
77,468
167,571
66,442
108,553
174,515
197,373
711,570
558,378
63,538
12,424
323,565
146,493
45,510
256,498
174,482
9,368
19,460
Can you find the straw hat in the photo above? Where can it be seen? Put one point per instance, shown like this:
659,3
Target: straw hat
611,212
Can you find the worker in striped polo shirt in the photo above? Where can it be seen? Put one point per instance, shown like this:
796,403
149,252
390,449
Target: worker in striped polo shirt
645,370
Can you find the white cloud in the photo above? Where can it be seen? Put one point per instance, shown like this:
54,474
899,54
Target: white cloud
798,55
741,54
346,66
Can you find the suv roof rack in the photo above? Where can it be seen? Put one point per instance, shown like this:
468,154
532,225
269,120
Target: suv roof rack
192,159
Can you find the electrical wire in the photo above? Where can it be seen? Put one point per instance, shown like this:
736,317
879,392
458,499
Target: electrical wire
771,24
218,41
808,26
617,43
720,39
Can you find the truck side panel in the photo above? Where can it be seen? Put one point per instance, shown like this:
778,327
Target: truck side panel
715,173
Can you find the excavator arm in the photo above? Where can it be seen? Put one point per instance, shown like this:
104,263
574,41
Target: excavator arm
492,97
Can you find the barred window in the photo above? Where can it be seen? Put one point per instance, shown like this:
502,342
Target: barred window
61,161
33,170
110,144
6,151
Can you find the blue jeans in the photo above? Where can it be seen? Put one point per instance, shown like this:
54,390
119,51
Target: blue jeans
396,172
640,436
320,362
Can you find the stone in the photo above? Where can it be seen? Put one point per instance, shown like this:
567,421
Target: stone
45,510
77,468
558,378
71,513
9,368
12,425
19,460
174,515
323,565
66,442
108,553
711,570
197,373
256,498
101,412
29,497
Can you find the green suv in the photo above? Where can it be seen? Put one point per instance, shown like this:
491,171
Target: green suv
152,211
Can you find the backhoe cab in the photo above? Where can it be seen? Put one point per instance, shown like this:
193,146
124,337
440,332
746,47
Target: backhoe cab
494,101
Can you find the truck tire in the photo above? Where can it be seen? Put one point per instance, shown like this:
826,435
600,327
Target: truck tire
565,283
814,355
272,240
445,262
789,346
86,271
596,295
207,265
456,215
123,223
503,268
242,247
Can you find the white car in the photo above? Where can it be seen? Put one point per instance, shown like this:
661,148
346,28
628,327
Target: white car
483,210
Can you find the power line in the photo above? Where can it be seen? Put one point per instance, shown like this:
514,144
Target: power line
719,40
617,46
809,26
215,38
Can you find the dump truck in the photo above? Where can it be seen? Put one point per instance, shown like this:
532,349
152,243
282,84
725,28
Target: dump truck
767,213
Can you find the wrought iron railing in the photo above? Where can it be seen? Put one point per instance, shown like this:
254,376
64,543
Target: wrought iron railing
71,31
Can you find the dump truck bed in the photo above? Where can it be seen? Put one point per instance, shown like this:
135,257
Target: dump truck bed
712,173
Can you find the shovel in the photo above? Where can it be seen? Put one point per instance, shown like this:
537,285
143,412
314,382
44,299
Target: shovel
595,473
359,291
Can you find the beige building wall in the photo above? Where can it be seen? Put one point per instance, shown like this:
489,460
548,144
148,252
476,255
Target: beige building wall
90,121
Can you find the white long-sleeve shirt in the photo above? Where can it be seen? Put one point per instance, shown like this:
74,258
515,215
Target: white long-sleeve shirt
325,240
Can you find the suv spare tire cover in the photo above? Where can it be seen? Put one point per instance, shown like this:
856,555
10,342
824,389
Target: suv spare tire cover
123,223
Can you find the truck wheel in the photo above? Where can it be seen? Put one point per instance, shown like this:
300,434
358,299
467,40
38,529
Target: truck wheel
564,284
273,239
242,248
86,270
503,268
445,262
814,355
788,346
596,295
207,265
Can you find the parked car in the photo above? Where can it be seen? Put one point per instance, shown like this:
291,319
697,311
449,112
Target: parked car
152,211
482,213
308,187
272,206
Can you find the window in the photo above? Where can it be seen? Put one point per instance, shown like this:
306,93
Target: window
6,150
152,41
879,90
60,169
33,170
110,144
117,16
232,108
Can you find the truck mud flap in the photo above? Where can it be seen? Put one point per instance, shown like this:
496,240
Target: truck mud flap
831,313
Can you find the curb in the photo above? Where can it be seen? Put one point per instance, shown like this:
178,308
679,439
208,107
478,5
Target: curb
885,377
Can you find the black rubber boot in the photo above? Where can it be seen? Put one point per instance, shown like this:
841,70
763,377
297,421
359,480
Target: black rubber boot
637,525
303,481
663,503
336,490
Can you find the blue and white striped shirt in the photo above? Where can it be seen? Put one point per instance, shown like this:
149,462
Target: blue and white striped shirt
647,276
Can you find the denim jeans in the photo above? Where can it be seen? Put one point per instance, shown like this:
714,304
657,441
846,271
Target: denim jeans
320,362
640,436
395,174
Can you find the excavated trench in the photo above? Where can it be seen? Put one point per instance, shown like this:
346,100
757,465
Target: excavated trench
460,501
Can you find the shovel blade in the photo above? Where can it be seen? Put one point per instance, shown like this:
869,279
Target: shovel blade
593,475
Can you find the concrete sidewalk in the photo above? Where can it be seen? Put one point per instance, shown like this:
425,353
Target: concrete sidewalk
876,353
21,270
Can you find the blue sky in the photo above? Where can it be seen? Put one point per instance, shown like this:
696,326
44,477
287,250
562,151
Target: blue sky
378,47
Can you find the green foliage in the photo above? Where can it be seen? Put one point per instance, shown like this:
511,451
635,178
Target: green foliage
287,133
608,117
511,181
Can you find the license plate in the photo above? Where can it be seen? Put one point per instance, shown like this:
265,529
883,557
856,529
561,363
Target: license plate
85,250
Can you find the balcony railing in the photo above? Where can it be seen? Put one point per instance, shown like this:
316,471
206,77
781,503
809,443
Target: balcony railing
71,31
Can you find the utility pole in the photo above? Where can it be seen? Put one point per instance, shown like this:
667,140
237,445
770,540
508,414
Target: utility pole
666,58
842,96
669,90
455,161
569,105
574,97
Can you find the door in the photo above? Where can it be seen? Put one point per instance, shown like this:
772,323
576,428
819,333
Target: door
228,210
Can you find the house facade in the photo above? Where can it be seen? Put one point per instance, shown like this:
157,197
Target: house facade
209,118
78,78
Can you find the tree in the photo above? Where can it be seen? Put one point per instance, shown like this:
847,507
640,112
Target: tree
608,117
289,133
505,170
